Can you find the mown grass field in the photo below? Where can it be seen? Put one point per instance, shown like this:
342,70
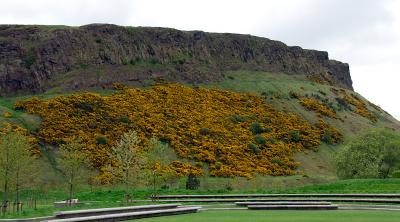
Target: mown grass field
282,216
101,197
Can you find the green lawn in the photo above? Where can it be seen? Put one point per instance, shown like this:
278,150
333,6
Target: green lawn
282,216
101,197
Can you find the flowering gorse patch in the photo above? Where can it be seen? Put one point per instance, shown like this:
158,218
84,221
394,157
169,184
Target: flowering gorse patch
202,125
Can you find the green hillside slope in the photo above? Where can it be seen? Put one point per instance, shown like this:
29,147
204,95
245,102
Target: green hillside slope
285,93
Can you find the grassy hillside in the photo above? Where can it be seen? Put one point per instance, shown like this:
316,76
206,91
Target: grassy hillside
277,89
345,110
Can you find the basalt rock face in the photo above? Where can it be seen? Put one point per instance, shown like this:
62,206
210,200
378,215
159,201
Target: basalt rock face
39,58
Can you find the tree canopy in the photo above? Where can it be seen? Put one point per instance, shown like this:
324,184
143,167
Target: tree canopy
374,153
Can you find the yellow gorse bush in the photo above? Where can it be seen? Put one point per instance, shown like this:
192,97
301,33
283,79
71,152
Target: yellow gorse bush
6,126
317,106
203,125
360,107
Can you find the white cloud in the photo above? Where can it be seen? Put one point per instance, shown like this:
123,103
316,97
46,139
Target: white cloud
363,33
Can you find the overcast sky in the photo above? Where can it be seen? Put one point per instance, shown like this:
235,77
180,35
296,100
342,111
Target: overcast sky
363,33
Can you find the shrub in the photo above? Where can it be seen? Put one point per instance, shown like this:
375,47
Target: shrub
272,140
125,119
237,119
294,136
343,105
171,112
260,139
132,62
192,182
83,65
396,174
372,154
29,61
317,106
228,186
154,61
125,62
253,147
266,94
204,131
278,161
327,137
118,86
7,114
256,128
101,139
294,95
360,106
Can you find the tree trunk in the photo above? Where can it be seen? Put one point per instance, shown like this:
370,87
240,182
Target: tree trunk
71,189
5,195
154,183
126,186
70,193
17,189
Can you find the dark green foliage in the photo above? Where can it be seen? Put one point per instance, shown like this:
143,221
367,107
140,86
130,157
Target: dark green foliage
253,147
343,105
295,136
390,159
256,128
373,154
181,59
131,30
135,61
192,182
101,139
30,60
278,161
260,139
92,125
231,77
327,137
85,106
396,174
237,119
333,107
228,186
125,119
98,40
83,65
125,62
272,140
320,98
204,131
154,61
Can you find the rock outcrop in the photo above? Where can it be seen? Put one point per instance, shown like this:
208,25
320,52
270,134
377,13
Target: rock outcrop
39,58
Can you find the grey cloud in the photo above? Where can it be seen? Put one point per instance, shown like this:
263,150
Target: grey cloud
66,12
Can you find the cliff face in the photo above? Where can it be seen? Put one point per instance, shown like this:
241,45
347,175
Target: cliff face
38,58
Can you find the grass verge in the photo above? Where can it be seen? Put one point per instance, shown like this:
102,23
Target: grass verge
282,216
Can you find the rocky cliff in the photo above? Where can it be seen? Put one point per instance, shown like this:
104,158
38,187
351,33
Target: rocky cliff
39,58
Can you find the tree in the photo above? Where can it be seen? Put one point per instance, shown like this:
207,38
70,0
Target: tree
14,161
374,153
158,156
390,158
128,158
72,163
